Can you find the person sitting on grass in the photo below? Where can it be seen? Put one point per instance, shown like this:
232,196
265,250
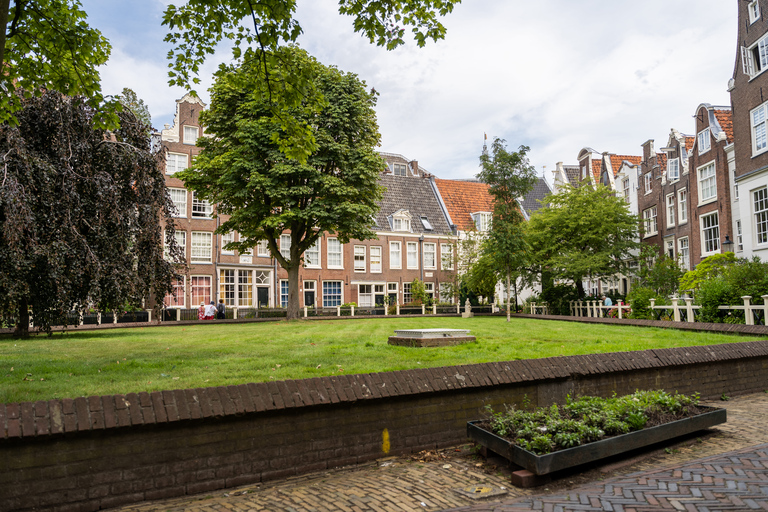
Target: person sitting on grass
210,311
201,311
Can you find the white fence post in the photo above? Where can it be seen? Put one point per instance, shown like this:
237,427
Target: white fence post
434,309
621,310
305,311
423,310
675,309
149,315
689,309
765,309
749,318
234,313
352,310
338,310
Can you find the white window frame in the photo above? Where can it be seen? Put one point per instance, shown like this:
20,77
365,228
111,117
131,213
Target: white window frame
401,221
446,256
647,182
285,290
202,247
412,249
312,255
739,237
225,239
673,169
445,296
483,221
670,248
285,246
671,207
181,242
179,285
627,198
407,295
430,255
334,252
650,221
682,206
710,234
376,259
175,162
754,59
707,180
704,141
429,289
365,297
194,131
395,255
360,258
754,11
326,296
684,253
262,248
399,169
208,289
181,205
760,216
201,208
758,119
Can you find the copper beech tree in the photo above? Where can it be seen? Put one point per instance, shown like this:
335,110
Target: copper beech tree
80,212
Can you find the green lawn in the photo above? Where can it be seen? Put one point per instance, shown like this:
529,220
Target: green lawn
84,363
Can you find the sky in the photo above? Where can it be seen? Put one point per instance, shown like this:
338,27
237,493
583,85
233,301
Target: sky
553,75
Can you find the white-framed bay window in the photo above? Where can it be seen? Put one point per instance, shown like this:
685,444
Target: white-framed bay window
412,255
376,259
202,247
179,198
760,212
333,253
710,233
430,255
175,162
395,255
707,183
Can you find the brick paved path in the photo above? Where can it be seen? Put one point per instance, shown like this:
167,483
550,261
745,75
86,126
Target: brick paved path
696,474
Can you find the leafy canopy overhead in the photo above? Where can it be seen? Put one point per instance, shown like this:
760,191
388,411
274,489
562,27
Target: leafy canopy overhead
244,171
47,45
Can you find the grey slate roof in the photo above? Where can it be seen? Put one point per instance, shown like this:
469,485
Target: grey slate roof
532,200
414,194
572,171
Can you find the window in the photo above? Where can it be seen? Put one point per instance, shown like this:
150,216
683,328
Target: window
671,248
399,169
401,221
759,136
754,11
359,258
376,259
236,287
190,134
647,182
283,293
285,246
755,58
201,207
445,292
426,224
704,141
175,299
262,248
739,236
202,247
181,242
200,290
682,253
761,215
707,183
179,198
649,221
395,255
334,253
446,256
735,192
412,255
175,162
226,239
312,255
407,295
682,206
365,296
673,168
482,221
710,234
429,289
627,199
331,294
430,255
670,210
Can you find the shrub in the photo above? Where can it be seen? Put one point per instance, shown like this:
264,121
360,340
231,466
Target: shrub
639,298
559,298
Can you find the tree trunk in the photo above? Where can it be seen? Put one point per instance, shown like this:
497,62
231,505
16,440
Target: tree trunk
516,302
580,288
22,326
5,6
293,293
508,301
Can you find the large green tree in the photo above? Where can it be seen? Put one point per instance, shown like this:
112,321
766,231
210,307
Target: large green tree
244,171
509,177
131,101
583,232
48,45
80,212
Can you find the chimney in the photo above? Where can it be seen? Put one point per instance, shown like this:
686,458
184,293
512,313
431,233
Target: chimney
415,167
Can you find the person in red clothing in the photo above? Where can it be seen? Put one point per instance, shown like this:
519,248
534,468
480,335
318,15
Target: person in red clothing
210,311
201,311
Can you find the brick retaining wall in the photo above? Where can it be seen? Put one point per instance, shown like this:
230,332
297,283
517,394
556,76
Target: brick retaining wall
101,452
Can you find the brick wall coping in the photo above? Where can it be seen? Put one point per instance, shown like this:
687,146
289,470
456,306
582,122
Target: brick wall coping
663,324
94,413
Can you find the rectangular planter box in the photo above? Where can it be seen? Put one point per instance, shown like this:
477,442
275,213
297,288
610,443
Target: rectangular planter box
563,459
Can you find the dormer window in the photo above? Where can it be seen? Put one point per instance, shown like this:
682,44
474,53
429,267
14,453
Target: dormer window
399,170
482,221
704,141
754,11
673,169
401,221
426,224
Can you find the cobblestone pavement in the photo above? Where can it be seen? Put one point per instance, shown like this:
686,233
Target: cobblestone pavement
671,477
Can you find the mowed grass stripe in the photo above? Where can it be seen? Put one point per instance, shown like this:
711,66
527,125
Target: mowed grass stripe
85,363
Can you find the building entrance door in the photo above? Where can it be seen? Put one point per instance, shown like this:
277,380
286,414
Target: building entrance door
262,297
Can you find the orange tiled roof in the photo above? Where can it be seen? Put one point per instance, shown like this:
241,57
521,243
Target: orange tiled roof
597,169
617,160
725,119
689,141
462,198
661,159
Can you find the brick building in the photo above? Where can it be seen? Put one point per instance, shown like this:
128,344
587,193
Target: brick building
750,137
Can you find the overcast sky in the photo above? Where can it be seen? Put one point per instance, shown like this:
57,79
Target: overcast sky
555,75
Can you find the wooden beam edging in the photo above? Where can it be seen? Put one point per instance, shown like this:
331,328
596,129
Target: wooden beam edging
68,416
